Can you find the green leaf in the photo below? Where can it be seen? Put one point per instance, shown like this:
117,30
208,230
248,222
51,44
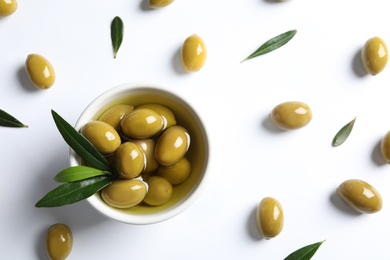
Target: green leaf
116,34
343,133
72,192
77,173
304,253
9,121
273,44
81,145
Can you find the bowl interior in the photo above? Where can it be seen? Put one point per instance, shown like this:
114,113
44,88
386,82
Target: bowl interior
183,194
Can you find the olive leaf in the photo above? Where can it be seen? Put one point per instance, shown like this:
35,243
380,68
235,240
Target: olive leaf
304,253
72,192
81,182
273,44
77,173
81,145
343,133
9,121
116,34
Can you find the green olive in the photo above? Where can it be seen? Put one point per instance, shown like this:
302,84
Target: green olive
374,55
163,111
172,145
58,242
385,147
269,217
159,192
8,7
176,173
291,115
193,53
142,124
114,114
159,3
360,196
102,135
40,71
124,193
147,146
129,160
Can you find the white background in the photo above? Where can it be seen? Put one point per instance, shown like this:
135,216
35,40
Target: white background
249,158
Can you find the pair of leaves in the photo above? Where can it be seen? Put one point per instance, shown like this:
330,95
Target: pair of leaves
9,121
273,44
81,182
304,253
116,34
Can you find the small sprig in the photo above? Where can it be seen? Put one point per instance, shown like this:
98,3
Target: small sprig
79,182
116,34
304,253
9,121
273,44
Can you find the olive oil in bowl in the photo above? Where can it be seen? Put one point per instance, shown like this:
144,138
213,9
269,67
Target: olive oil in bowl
183,194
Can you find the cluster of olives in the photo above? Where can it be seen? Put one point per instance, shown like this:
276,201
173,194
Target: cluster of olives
146,147
358,194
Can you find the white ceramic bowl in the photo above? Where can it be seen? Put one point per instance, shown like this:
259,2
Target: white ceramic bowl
183,194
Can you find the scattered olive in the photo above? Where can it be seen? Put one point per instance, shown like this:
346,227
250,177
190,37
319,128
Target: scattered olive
163,111
385,147
8,7
40,71
159,3
102,135
172,145
129,160
124,193
291,115
176,173
58,242
360,195
160,191
269,217
193,53
374,55
142,124
114,114
147,146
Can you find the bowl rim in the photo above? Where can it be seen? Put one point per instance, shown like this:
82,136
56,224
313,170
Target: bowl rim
141,219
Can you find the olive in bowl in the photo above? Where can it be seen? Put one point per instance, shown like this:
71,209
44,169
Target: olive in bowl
181,122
